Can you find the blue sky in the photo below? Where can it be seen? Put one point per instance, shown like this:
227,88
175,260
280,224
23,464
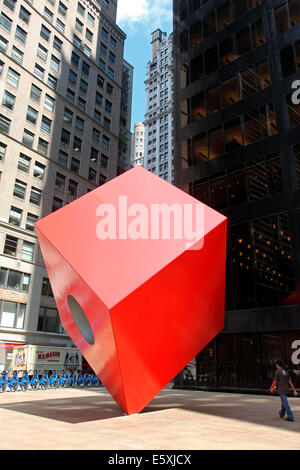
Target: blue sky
138,19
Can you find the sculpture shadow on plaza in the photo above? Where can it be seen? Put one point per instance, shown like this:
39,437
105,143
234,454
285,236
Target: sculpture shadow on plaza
98,406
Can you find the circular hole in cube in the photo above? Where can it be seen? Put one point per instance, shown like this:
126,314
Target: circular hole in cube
81,320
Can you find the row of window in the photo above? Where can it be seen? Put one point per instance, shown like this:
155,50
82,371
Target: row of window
254,180
215,21
229,92
12,314
236,9
260,264
241,131
224,52
11,279
12,247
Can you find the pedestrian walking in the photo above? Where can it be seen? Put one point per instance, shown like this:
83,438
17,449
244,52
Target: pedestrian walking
283,382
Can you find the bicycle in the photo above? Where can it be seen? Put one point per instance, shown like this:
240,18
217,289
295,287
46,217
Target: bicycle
80,380
23,382
87,380
44,381
35,381
71,380
96,382
62,381
53,382
11,383
3,381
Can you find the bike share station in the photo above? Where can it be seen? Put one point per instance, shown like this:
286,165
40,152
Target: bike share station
40,367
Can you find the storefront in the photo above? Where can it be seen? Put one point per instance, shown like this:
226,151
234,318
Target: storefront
6,352
243,361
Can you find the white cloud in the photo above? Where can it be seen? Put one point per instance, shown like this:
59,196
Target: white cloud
150,12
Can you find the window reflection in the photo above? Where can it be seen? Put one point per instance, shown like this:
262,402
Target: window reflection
198,107
219,193
216,142
242,264
213,99
196,34
224,15
230,91
233,134
200,148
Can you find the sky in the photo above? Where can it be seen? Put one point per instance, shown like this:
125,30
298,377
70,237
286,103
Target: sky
138,19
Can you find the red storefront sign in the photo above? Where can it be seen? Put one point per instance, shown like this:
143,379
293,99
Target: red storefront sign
8,345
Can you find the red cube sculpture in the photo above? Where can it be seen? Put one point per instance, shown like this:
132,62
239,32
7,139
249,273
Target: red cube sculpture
138,299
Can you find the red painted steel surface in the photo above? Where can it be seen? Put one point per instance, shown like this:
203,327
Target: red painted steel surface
139,310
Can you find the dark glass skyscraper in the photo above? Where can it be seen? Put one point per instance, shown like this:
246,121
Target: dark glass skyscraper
237,149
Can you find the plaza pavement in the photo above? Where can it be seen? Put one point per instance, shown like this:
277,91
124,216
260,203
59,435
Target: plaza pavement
89,419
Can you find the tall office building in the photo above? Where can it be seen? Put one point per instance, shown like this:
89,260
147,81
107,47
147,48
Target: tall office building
61,66
158,155
125,141
138,145
237,141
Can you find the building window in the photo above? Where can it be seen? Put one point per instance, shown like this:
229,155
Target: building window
57,43
57,204
65,137
17,55
39,171
52,82
46,288
92,175
85,68
30,221
10,246
282,19
110,73
68,116
10,4
35,93
3,44
13,77
79,124
28,138
42,52
46,124
49,103
4,124
77,144
8,100
72,188
49,321
62,9
45,33
39,72
63,158
3,148
31,115
96,136
75,59
24,163
60,26
35,196
20,189
5,22
94,155
12,314
75,165
55,63
16,280
15,216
